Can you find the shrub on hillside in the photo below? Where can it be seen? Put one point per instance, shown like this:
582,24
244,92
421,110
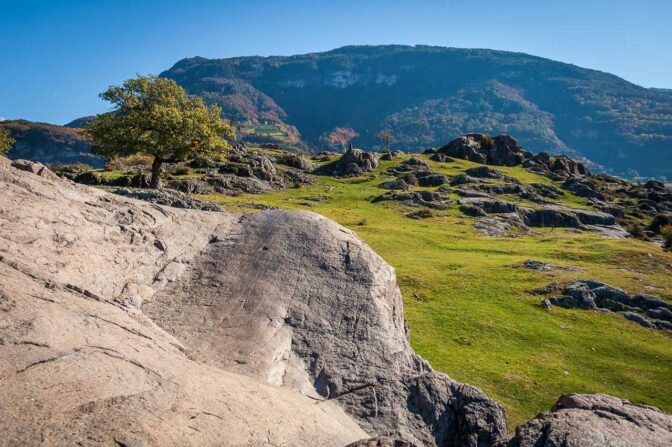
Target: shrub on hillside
636,230
666,232
180,170
487,140
409,178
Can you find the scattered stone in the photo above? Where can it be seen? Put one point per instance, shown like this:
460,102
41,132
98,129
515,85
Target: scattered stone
583,187
462,179
472,210
546,304
429,178
646,310
545,267
295,161
503,225
396,185
489,205
33,167
420,214
191,186
430,199
441,158
484,172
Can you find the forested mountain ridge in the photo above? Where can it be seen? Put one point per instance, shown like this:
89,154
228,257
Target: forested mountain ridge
428,95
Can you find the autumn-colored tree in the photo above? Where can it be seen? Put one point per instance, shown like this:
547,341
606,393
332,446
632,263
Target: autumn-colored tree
155,116
339,136
386,137
6,141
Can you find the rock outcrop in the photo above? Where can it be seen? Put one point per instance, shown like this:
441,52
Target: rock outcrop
501,150
648,311
595,420
554,216
352,163
130,323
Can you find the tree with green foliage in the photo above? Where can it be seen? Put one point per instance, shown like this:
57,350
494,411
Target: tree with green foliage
6,141
155,116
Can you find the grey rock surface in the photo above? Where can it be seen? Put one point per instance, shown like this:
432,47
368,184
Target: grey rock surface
646,310
595,420
501,150
313,309
80,364
352,163
130,323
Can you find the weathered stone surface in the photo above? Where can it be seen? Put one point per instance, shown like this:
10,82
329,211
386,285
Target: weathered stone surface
583,187
295,161
429,178
396,185
441,158
648,311
190,186
566,167
595,420
484,172
352,163
466,147
430,199
533,264
34,167
490,205
501,150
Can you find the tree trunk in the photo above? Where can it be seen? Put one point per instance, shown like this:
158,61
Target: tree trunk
156,173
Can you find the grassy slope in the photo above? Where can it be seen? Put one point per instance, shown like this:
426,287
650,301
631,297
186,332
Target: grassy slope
467,303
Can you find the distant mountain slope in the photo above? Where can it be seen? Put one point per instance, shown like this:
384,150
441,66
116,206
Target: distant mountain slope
428,95
50,143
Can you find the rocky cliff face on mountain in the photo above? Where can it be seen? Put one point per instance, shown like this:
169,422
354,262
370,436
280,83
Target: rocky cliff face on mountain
429,95
129,323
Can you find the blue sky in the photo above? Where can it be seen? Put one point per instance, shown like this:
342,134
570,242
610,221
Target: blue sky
56,56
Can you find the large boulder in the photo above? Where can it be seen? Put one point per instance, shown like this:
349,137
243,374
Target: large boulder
353,162
131,323
583,187
566,167
501,150
467,147
595,420
34,167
